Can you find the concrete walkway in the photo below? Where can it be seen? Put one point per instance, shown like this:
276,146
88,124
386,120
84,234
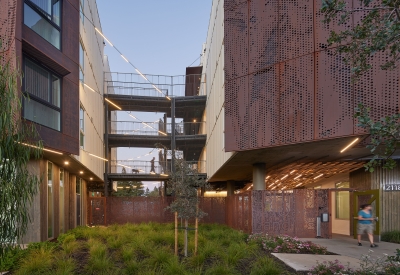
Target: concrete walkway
346,248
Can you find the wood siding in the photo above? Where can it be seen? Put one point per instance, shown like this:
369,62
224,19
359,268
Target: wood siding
389,215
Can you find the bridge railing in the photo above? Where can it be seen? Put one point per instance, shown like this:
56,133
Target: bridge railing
158,128
149,167
155,85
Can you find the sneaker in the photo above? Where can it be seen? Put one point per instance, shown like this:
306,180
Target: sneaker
359,244
374,245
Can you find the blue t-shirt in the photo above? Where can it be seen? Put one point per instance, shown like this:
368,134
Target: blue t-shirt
365,216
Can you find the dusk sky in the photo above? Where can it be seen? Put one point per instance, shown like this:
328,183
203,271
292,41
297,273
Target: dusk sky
158,37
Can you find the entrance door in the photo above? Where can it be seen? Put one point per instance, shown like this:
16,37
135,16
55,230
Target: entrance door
97,211
366,197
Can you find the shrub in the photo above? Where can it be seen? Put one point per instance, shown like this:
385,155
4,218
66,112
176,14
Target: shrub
391,236
37,261
265,266
286,244
330,268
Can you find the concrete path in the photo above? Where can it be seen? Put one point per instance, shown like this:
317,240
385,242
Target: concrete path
346,248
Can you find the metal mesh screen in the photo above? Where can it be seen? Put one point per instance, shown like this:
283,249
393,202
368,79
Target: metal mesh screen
239,212
291,212
285,85
7,31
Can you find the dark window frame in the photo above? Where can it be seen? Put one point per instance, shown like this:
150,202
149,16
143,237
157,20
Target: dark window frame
37,99
44,14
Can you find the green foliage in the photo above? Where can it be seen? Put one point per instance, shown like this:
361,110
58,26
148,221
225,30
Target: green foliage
391,236
385,137
224,251
377,31
17,185
265,266
129,189
287,244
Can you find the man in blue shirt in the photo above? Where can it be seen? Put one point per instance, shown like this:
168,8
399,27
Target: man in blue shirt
365,224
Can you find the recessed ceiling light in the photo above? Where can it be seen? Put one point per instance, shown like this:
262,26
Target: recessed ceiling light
81,172
91,178
66,162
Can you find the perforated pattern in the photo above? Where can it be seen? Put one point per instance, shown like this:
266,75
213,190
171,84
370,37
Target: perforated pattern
290,212
7,30
284,85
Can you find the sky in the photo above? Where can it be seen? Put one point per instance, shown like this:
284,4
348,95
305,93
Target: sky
158,37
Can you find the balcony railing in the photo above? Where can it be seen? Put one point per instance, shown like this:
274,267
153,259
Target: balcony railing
147,167
155,85
156,128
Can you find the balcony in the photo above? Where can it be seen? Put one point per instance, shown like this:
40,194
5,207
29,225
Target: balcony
144,170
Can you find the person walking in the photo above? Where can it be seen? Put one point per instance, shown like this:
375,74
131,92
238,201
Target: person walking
152,168
365,224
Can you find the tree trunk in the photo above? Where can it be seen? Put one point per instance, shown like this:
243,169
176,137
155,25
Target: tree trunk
176,233
196,235
186,238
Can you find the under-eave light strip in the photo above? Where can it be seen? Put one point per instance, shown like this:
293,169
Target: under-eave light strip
318,176
98,157
87,86
44,149
348,146
112,103
104,37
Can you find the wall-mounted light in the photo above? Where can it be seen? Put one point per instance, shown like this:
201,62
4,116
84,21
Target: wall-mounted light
318,176
297,177
284,177
348,146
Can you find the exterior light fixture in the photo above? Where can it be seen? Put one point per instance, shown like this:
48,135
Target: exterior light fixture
284,177
66,162
318,176
292,171
267,177
104,37
98,157
194,120
297,177
91,178
348,146
299,184
81,172
44,149
87,86
115,105
124,58
164,175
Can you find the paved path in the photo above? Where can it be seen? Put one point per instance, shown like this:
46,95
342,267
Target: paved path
346,248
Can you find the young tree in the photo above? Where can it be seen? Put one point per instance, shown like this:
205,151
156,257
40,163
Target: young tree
18,143
129,189
184,185
155,192
377,31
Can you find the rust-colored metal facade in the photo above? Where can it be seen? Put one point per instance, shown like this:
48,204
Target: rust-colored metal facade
19,41
97,211
239,212
122,210
285,85
291,212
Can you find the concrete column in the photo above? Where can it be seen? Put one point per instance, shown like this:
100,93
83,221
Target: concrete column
259,173
230,186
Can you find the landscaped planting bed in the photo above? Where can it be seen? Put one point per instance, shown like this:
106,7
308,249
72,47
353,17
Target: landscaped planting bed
147,249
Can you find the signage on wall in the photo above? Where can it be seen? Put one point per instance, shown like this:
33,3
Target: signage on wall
391,187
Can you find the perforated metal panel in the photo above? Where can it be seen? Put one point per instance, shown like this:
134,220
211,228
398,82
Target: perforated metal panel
284,85
7,30
291,212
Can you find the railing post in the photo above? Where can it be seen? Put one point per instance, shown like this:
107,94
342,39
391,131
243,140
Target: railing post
106,163
173,126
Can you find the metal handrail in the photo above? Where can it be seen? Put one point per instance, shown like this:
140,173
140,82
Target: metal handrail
156,128
155,85
147,167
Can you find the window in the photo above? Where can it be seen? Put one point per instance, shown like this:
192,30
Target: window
44,90
81,11
342,201
50,201
61,201
81,63
44,17
82,126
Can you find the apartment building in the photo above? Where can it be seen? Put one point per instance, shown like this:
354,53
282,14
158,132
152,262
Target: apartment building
280,108
57,47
